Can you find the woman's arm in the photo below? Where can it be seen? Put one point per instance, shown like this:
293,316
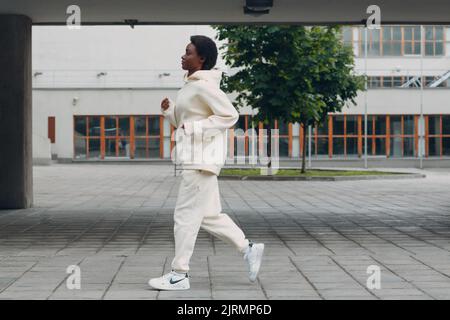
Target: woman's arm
169,113
224,117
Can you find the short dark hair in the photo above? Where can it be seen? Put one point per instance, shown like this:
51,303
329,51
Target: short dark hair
207,49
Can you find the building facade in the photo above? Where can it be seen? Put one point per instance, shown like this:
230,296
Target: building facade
97,94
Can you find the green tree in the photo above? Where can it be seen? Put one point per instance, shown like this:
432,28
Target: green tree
291,73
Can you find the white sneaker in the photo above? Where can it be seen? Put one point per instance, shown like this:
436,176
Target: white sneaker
171,281
253,255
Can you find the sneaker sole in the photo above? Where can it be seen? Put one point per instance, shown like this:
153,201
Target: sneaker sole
258,265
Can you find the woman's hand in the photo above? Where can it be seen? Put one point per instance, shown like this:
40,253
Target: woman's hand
165,104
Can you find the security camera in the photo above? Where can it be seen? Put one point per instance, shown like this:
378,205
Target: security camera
257,7
131,22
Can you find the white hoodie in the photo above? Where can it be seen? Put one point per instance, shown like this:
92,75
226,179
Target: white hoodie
206,113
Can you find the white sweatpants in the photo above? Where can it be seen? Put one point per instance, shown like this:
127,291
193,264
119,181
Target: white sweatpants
198,206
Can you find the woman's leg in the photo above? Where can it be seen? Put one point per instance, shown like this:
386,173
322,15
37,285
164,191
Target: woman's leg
198,205
214,221
225,229
187,219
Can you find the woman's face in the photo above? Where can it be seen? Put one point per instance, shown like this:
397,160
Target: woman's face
190,60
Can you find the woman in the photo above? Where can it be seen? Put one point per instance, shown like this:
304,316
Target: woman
203,111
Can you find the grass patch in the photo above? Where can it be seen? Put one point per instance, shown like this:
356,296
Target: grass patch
309,173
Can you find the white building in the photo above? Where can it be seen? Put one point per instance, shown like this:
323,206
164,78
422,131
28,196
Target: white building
97,94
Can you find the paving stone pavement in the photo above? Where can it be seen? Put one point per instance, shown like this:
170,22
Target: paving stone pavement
116,223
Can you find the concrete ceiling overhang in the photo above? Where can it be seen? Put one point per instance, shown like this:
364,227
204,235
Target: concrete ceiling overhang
105,12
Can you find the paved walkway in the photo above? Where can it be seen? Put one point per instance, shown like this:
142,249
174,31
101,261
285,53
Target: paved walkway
115,223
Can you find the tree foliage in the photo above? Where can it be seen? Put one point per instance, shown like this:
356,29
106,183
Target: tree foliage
291,73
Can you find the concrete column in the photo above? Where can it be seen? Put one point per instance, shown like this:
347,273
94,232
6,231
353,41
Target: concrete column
16,180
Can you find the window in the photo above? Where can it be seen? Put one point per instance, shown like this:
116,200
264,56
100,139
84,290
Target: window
434,40
140,134
402,40
94,137
378,146
380,125
352,146
446,124
111,136
80,127
322,129
434,146
386,81
338,134
408,136
396,136
430,79
408,125
434,135
284,140
154,136
338,125
445,135
374,82
80,138
392,41
341,138
376,132
320,145
352,135
118,136
352,125
373,42
342,135
397,81
411,40
347,36
94,127
338,146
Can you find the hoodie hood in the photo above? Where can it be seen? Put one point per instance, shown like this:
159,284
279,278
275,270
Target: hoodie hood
213,76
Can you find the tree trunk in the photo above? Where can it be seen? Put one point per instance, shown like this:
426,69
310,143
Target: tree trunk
304,149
